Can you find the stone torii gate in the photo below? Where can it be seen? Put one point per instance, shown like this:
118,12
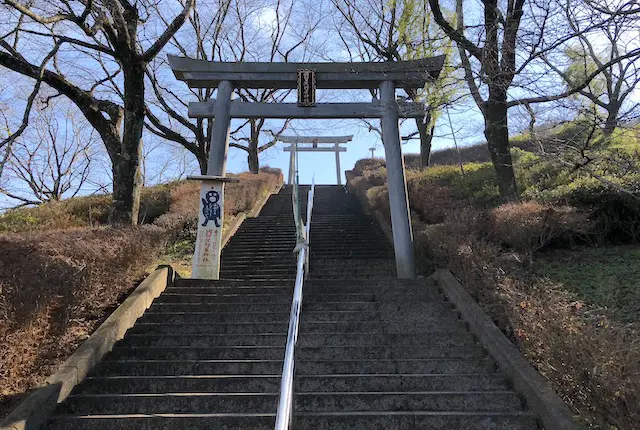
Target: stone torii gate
306,77
315,140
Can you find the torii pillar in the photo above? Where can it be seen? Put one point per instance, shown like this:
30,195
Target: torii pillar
206,258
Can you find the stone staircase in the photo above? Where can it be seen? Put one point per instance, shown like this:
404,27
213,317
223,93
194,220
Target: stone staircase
374,352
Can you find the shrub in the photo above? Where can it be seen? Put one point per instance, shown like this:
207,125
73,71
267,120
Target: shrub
378,197
154,201
368,164
616,214
92,210
412,161
89,211
434,205
530,226
273,171
477,185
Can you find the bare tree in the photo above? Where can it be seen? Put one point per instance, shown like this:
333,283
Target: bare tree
610,91
52,159
236,31
167,108
510,41
8,142
105,37
377,30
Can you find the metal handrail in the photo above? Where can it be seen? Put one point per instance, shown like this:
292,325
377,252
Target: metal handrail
284,415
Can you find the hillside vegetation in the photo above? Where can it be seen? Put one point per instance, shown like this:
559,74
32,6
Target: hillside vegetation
558,272
62,272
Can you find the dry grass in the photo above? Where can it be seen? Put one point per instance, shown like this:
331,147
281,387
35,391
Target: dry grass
55,287
60,281
591,361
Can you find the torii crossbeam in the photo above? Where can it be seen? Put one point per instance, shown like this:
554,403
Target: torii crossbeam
335,147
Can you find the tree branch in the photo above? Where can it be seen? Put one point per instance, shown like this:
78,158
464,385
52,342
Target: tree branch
168,32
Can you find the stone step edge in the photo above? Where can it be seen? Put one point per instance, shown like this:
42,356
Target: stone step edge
302,414
298,393
318,375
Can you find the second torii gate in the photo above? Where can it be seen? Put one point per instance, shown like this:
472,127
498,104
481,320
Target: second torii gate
315,140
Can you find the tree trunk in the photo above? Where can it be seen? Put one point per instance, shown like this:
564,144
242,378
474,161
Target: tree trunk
202,162
497,133
425,130
252,157
611,123
127,177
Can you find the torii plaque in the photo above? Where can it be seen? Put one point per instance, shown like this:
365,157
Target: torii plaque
385,76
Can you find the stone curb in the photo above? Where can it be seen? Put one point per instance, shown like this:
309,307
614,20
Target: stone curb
35,410
540,398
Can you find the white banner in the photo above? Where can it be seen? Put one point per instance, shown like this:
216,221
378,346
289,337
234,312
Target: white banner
206,258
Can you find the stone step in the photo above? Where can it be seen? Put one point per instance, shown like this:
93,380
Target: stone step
436,338
187,317
313,293
325,311
208,328
271,383
272,352
229,352
241,276
353,285
260,263
414,420
247,291
203,295
259,237
168,297
164,403
424,328
180,384
429,308
316,254
257,271
203,340
262,366
218,421
232,307
342,316
398,383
